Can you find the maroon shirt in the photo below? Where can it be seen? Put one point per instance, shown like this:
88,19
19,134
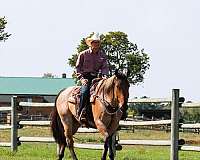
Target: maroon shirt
89,62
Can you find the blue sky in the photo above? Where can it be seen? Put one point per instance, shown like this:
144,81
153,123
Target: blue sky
46,33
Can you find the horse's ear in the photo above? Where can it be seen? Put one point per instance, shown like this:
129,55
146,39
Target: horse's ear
128,73
116,72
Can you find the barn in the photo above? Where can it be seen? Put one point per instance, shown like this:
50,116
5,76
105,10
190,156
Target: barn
31,89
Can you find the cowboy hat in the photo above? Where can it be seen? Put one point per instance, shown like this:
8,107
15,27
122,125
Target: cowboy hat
95,37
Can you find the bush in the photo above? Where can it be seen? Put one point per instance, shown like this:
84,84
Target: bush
190,115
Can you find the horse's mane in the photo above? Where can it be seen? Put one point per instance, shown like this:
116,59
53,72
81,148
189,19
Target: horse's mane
108,84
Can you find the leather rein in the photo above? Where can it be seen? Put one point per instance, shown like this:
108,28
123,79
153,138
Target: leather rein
109,107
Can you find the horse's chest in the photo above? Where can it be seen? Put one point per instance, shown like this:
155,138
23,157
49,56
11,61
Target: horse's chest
106,119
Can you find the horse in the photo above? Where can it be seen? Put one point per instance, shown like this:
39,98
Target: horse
108,107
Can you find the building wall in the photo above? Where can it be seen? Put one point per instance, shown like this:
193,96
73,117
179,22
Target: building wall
32,113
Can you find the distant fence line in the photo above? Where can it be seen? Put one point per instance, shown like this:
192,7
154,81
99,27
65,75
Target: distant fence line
141,100
173,122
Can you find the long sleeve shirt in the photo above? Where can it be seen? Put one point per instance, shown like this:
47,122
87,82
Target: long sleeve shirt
89,62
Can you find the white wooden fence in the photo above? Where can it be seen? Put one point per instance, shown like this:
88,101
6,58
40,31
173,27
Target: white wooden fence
174,126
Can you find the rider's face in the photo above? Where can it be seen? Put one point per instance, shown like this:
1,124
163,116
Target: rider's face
95,46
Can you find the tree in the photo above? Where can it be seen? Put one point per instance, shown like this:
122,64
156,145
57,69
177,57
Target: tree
3,35
121,53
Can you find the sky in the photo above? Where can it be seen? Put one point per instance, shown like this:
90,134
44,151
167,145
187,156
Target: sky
46,33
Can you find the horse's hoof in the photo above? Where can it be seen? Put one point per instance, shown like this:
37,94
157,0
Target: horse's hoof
118,147
60,157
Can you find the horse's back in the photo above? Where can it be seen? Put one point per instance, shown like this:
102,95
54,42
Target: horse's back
63,102
63,96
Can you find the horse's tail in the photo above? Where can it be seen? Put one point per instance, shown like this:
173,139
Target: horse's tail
57,127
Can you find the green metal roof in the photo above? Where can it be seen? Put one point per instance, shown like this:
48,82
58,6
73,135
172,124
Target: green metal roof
33,85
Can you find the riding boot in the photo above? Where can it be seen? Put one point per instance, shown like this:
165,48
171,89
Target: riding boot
83,98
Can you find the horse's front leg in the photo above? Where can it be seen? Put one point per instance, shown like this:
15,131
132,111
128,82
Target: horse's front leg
102,129
60,151
98,116
112,130
111,146
114,124
108,144
105,151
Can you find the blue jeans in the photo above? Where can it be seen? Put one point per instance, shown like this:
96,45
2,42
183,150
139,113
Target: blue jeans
84,97
85,94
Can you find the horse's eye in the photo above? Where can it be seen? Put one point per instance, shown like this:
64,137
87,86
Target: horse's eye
118,86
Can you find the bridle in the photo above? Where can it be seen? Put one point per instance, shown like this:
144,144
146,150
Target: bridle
110,107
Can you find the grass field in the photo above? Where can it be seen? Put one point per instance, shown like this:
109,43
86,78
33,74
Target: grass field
41,151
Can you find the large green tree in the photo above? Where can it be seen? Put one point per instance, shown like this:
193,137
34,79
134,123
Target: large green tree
121,53
3,35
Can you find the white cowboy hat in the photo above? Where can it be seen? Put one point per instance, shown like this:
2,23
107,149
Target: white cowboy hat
95,37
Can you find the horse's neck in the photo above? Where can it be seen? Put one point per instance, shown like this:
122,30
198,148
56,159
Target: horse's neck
99,87
100,92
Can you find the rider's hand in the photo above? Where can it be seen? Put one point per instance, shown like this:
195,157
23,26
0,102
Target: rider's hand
84,81
104,77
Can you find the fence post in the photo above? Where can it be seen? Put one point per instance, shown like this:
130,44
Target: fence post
174,124
13,123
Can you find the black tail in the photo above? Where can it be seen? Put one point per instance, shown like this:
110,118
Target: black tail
57,127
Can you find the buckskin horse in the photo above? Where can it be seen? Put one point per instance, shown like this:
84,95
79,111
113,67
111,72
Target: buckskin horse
109,105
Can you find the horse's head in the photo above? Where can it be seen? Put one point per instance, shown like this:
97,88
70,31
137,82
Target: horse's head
121,88
117,91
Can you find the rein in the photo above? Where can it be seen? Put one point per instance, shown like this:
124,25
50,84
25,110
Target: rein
108,105
110,109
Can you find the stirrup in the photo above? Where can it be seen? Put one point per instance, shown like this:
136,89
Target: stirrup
80,117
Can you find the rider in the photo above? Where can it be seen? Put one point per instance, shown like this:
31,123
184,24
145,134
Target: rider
89,63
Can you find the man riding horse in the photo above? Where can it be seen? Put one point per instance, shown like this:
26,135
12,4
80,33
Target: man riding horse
108,106
90,63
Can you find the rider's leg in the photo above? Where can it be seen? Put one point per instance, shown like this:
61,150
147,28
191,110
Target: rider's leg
84,97
85,94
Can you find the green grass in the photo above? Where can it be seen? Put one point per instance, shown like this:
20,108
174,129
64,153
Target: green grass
38,151
42,151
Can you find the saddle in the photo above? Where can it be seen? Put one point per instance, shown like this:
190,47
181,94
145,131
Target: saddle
75,94
75,98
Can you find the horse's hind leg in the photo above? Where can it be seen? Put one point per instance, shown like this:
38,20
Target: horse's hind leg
60,151
67,124
70,143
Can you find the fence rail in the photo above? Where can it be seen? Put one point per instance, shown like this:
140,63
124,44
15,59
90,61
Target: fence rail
5,144
191,105
173,122
141,100
34,104
146,142
150,100
191,126
144,123
190,148
5,127
35,123
5,108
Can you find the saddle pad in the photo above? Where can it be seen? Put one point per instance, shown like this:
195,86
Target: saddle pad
75,95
